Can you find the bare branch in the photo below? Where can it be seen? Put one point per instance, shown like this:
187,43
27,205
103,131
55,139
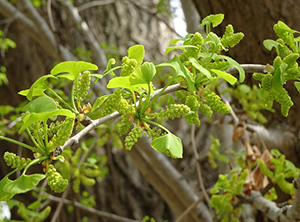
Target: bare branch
99,213
198,167
190,208
57,51
60,205
95,3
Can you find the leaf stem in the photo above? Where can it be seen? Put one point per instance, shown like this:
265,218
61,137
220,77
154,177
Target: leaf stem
156,124
33,149
45,135
62,101
40,159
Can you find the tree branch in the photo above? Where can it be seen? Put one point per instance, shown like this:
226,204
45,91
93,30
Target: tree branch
198,168
97,51
99,213
95,3
54,49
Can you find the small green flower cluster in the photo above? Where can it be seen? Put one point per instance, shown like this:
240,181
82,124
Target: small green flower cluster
269,93
220,65
124,125
155,133
63,133
29,214
53,128
116,102
284,100
15,161
194,105
251,100
174,111
195,40
128,66
230,39
133,136
214,101
83,85
56,182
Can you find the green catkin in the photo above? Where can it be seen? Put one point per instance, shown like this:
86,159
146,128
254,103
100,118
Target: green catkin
220,65
258,76
15,161
63,134
214,101
196,40
124,125
291,59
206,110
266,82
174,111
87,181
154,133
133,136
230,39
293,72
285,101
115,102
128,66
76,185
56,182
83,85
193,103
283,50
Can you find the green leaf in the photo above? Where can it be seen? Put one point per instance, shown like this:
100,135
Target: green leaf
73,68
109,70
215,20
278,79
213,39
143,74
5,196
35,92
282,26
137,52
169,144
199,67
269,44
40,105
297,85
229,78
124,82
35,117
23,184
37,88
174,41
182,47
180,70
99,101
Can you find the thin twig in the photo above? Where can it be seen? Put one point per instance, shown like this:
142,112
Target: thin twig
198,167
190,208
60,205
155,14
95,3
90,210
50,17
